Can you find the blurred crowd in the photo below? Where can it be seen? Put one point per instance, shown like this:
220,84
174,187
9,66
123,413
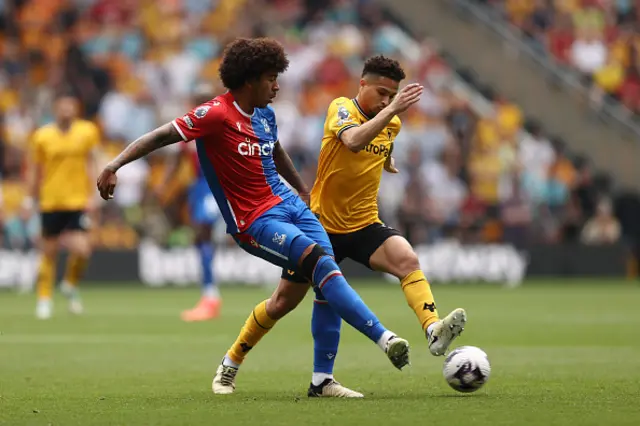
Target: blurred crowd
598,38
136,63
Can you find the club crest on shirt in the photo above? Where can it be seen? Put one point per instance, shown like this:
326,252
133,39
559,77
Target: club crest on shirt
265,124
279,239
343,116
187,121
201,111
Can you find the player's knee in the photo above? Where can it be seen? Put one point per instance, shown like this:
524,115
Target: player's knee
281,306
281,303
408,263
49,247
310,260
81,247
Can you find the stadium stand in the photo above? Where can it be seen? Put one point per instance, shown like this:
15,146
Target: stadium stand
598,39
472,166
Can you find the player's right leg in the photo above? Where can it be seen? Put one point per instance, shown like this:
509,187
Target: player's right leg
52,225
396,256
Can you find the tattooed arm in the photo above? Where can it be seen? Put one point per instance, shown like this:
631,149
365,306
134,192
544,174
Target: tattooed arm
145,144
162,136
287,170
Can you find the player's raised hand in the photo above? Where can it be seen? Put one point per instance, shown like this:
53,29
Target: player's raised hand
390,165
408,95
107,183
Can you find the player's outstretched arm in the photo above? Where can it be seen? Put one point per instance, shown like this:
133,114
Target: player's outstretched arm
145,144
287,170
171,166
357,138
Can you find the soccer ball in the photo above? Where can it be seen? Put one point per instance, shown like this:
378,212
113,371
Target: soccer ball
466,369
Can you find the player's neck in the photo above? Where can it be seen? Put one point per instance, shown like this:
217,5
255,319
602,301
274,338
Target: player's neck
64,125
363,107
243,102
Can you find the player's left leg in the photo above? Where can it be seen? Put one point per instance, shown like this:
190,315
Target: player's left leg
208,306
325,321
78,242
396,256
325,329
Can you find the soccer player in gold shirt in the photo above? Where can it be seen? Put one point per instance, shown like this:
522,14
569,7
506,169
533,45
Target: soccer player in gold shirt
356,148
60,179
358,140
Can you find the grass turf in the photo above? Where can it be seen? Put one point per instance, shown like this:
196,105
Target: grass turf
562,353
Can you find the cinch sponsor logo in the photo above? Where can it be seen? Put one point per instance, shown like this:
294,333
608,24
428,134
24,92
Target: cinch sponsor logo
249,148
377,149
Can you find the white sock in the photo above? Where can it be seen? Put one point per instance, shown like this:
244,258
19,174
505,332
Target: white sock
430,329
318,378
68,289
384,339
227,362
211,292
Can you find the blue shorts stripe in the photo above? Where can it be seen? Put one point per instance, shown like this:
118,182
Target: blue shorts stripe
273,252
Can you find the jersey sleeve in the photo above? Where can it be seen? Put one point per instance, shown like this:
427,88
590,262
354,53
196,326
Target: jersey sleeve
341,116
201,121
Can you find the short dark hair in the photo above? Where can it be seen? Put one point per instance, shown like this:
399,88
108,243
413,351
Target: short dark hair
65,92
384,67
247,59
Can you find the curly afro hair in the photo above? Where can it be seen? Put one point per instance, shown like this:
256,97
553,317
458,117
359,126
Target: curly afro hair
384,67
247,59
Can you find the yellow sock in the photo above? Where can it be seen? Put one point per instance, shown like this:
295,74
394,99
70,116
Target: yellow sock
75,269
257,325
417,291
46,277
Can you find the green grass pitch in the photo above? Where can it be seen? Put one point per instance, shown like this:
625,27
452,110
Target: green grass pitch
562,353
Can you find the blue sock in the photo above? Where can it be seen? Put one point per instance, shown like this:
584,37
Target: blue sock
325,328
344,300
209,288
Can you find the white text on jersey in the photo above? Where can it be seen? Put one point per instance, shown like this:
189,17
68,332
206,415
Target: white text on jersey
248,148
